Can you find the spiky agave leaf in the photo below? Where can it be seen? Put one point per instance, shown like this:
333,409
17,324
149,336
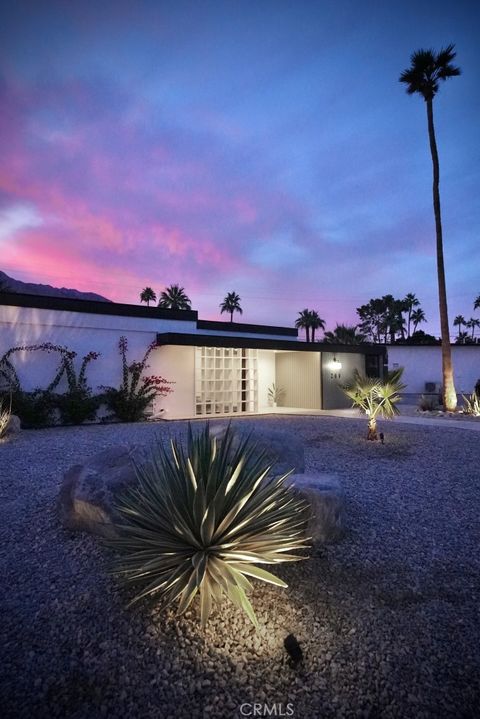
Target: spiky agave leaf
199,521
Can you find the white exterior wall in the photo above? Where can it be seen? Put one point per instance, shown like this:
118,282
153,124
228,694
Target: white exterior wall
424,364
81,332
266,376
177,364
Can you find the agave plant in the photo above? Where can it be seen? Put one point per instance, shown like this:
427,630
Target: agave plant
377,398
472,404
5,413
201,521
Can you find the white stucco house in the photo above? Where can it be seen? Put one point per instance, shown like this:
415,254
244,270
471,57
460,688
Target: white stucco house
219,368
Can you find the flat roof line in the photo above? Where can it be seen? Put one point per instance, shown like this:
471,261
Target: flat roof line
194,340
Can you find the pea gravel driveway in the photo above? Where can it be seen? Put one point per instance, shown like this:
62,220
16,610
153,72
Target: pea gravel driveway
388,619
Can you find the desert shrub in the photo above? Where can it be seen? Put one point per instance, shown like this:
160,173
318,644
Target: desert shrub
200,521
477,388
35,409
427,404
129,402
77,406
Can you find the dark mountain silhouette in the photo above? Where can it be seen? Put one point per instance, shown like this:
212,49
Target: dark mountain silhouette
9,284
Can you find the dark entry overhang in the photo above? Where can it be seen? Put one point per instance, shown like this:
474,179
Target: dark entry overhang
199,340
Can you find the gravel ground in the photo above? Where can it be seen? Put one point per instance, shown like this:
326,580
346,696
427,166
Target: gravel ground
388,619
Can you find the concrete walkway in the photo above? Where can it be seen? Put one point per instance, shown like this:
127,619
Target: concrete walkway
404,418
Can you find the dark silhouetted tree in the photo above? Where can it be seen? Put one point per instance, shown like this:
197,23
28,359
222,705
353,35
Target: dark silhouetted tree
148,295
174,298
316,323
303,323
345,335
417,317
410,302
231,304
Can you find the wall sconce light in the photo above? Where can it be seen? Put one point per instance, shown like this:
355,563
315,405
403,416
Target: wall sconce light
336,365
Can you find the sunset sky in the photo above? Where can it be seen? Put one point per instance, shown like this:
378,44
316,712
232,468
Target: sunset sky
260,146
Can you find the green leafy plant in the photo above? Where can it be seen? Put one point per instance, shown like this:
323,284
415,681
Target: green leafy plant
5,414
376,397
201,520
471,404
129,402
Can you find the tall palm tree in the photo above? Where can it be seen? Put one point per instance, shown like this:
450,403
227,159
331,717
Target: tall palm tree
303,322
422,77
316,323
417,317
345,335
231,304
476,304
148,295
410,302
459,322
174,298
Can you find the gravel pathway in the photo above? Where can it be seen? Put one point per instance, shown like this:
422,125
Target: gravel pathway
388,619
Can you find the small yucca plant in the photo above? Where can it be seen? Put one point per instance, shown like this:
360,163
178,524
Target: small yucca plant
202,520
376,397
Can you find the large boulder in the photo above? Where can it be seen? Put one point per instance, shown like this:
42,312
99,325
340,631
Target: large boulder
326,498
283,449
89,491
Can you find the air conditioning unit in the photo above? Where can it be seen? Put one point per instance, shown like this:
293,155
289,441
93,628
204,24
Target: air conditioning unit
433,387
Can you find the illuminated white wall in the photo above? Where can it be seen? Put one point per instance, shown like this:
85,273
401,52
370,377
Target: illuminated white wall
266,377
81,332
424,364
177,364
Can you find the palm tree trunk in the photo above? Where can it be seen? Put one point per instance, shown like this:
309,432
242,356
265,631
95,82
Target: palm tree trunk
372,429
313,334
307,333
449,394
231,315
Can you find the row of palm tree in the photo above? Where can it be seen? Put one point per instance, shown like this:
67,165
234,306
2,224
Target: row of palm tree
382,318
174,297
472,324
